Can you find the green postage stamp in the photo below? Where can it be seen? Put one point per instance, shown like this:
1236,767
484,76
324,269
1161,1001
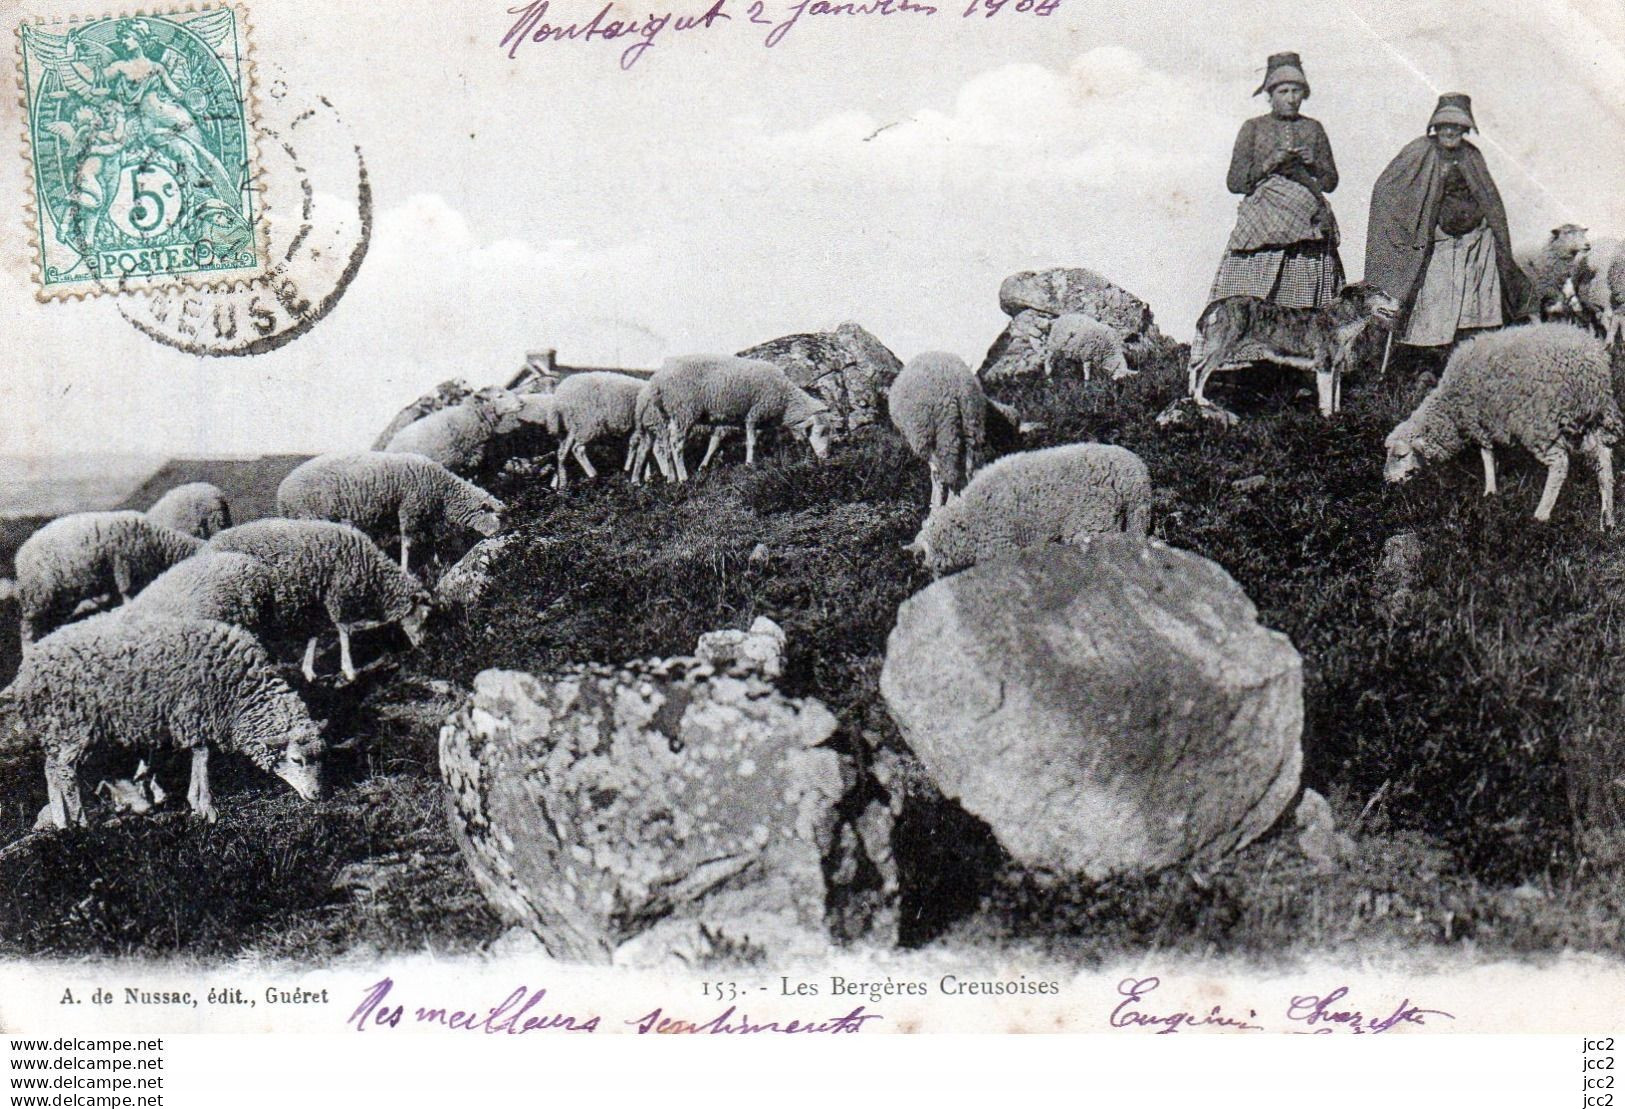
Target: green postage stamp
143,152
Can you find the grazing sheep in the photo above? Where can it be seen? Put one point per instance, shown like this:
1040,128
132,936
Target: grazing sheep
726,391
588,407
148,681
329,573
86,555
1055,495
1555,270
1075,339
197,508
223,585
460,437
648,437
388,496
938,405
1544,386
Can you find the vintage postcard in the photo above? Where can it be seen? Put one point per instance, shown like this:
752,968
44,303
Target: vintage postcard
761,516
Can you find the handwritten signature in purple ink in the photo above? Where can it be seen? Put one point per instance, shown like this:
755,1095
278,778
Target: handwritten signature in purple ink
1322,1014
1130,1014
724,1023
512,1016
530,25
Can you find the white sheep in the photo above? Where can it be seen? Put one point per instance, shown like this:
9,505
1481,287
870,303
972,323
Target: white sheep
197,508
1555,268
1056,495
938,406
328,573
87,555
727,391
460,437
222,585
388,496
588,407
1545,387
146,681
1075,339
1602,286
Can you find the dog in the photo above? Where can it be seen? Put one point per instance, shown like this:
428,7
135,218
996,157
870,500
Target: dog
1236,330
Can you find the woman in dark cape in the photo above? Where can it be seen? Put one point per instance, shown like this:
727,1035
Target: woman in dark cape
1437,240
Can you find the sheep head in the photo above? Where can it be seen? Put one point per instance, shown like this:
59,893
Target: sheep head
301,762
487,517
1407,450
417,617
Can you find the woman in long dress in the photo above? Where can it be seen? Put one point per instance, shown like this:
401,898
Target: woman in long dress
1284,245
1438,239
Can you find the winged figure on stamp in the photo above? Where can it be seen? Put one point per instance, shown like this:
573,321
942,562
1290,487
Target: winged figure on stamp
131,142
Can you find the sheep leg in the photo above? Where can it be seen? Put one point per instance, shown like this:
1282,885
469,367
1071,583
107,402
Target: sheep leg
121,578
750,442
679,441
60,781
197,794
309,667
937,496
1488,456
710,448
1326,387
1557,468
345,665
406,552
1604,456
566,445
579,449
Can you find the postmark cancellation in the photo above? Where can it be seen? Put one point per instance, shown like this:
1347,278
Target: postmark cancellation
143,156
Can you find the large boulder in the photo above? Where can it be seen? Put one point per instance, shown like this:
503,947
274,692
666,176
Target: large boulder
658,807
1108,709
1032,299
848,368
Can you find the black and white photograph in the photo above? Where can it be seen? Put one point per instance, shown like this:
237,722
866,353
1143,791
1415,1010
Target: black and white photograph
803,516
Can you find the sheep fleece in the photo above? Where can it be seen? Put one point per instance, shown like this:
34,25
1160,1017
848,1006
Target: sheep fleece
1533,386
73,558
1060,494
143,680
938,406
196,508
380,493
324,570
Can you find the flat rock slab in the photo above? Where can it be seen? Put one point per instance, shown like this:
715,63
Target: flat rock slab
596,802
1108,709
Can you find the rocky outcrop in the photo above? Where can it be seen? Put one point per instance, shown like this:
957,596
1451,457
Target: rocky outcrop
1108,709
848,368
759,650
470,576
635,813
1032,299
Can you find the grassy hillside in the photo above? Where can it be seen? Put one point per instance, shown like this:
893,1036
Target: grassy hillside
1463,740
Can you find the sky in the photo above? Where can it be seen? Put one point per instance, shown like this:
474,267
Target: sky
890,170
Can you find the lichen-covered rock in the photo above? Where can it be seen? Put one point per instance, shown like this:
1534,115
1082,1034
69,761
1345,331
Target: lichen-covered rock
848,369
761,649
470,576
596,801
1107,709
1032,299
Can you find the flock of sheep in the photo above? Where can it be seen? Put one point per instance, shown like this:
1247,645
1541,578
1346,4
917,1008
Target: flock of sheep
182,656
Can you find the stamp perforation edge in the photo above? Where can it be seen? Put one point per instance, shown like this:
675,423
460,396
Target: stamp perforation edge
200,280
